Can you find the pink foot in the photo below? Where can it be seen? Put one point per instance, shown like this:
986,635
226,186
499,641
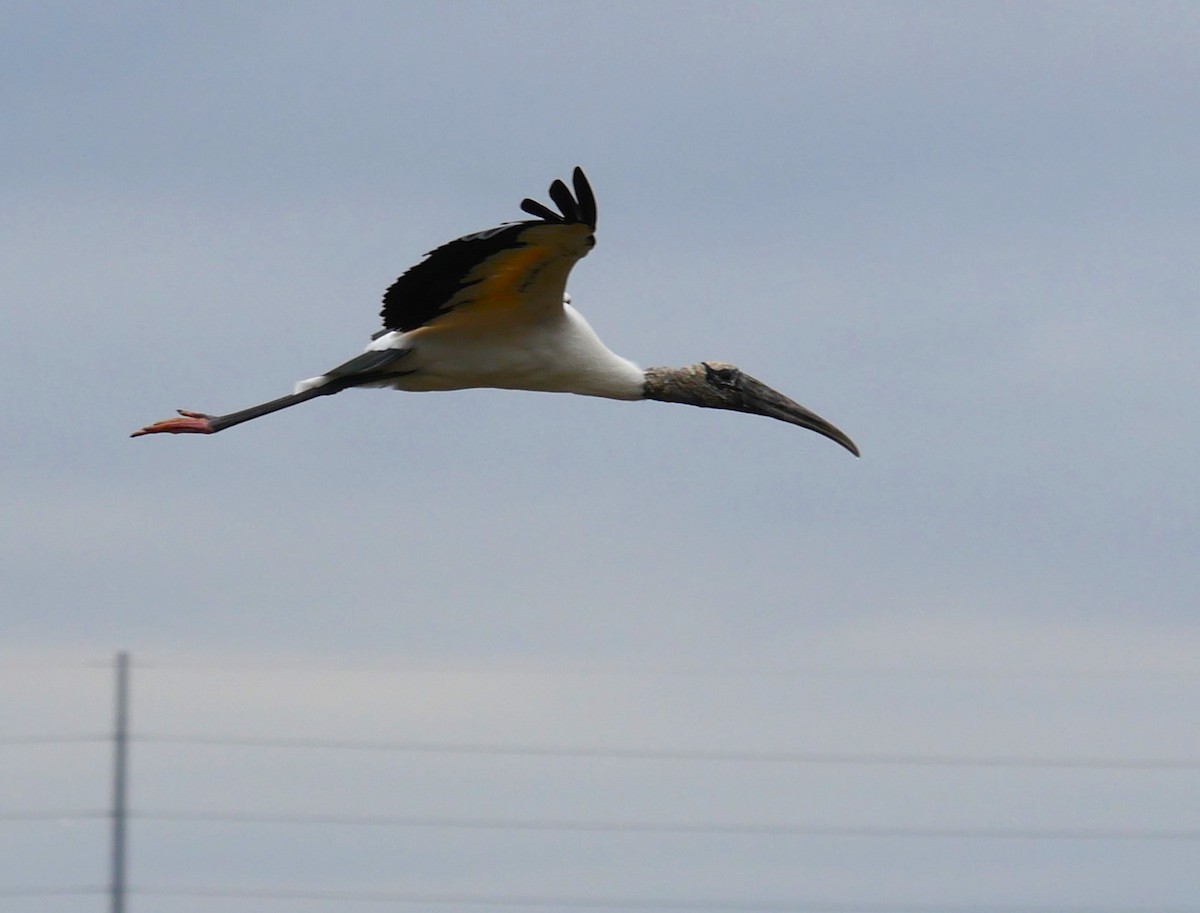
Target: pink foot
191,423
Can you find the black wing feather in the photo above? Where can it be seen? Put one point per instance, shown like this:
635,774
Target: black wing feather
563,200
541,210
424,291
587,199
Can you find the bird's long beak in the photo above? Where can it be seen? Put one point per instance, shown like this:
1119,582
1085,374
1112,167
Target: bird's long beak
759,399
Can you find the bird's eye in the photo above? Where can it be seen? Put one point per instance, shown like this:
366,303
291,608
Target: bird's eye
720,376
591,241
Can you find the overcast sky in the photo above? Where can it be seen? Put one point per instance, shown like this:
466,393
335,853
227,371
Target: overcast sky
965,233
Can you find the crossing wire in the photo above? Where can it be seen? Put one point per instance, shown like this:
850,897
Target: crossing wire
76,815
660,827
628,903
11,893
563,825
15,740
656,754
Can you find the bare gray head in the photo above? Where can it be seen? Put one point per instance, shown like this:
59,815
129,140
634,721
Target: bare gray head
716,385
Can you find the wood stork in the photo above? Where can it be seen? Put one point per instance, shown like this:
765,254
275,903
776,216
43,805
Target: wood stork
491,310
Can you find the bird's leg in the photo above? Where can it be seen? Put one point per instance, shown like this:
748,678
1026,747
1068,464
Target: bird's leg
199,423
370,367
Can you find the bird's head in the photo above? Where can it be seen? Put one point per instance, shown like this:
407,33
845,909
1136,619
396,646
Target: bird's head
716,385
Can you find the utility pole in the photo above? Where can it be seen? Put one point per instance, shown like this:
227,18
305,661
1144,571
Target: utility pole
120,770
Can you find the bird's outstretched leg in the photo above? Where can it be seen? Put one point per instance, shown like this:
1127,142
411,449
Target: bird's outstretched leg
199,423
370,367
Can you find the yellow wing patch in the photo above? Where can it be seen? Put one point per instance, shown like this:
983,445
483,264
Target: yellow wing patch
515,269
518,283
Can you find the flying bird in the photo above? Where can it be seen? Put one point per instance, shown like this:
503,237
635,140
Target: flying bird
491,310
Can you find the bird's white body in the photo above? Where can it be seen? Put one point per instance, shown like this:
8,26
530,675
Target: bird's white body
552,349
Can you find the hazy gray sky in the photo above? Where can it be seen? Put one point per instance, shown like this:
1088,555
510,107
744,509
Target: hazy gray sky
965,233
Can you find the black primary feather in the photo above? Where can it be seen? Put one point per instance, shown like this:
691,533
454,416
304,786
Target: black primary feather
587,199
564,201
534,208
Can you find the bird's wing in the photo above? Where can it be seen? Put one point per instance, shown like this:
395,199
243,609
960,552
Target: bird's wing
514,268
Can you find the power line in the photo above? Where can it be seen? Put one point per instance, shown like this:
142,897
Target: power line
627,903
58,816
20,664
15,740
659,827
525,667
627,827
24,666
712,828
78,890
655,754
